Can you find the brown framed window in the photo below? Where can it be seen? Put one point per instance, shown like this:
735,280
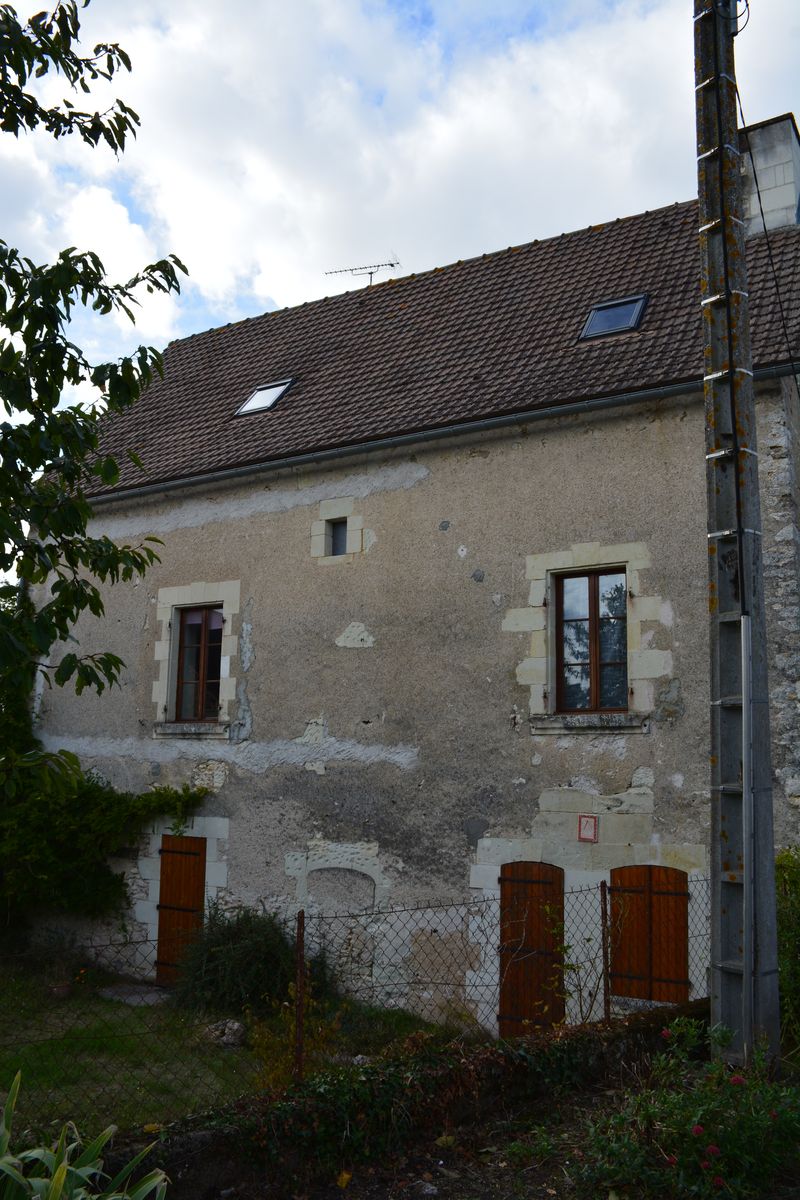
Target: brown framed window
199,662
592,641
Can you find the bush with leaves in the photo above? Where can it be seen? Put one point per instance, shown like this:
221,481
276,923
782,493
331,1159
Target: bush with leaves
241,959
67,1170
696,1128
787,886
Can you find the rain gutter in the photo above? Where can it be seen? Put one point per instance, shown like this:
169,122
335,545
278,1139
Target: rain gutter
485,424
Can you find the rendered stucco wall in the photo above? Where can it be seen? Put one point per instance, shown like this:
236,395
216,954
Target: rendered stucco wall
380,731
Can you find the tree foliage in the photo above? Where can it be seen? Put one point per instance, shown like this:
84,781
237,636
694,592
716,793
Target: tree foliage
57,825
49,451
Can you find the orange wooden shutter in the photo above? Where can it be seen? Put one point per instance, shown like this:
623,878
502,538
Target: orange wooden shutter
181,900
531,947
649,933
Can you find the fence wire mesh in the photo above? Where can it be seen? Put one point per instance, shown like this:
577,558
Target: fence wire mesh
98,1042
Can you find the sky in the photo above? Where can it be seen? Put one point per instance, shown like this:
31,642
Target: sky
282,140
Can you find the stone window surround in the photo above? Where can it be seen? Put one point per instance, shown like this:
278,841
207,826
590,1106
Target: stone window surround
537,670
337,510
215,830
225,594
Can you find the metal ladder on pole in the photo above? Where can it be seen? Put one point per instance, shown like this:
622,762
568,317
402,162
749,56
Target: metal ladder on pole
744,985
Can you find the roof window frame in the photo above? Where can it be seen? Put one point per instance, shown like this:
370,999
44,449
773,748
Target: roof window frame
639,299
284,384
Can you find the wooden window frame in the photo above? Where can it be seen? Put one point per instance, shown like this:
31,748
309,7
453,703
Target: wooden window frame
202,681
593,575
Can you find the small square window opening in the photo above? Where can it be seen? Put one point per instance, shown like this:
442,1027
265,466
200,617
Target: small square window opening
592,641
336,537
614,316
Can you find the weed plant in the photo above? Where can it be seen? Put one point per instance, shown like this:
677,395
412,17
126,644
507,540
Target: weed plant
695,1129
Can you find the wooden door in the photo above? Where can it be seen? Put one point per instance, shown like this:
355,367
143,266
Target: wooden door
181,900
649,934
531,947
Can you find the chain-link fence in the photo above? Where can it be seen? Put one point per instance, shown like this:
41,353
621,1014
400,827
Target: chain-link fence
582,955
99,1042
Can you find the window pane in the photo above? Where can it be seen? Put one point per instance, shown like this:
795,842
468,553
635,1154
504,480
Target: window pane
191,620
576,687
213,659
338,537
613,687
191,663
211,709
188,700
215,622
613,641
576,641
576,598
613,595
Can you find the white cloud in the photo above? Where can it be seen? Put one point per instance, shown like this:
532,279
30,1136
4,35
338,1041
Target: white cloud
283,140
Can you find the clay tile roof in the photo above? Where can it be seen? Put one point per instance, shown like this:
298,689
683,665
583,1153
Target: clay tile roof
489,336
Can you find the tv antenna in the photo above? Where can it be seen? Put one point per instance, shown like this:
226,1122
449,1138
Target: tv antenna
367,270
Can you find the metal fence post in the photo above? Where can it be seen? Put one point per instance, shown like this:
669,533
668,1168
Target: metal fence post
604,929
299,994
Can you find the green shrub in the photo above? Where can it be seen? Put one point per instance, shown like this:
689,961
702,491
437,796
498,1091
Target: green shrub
695,1129
241,959
787,881
67,1170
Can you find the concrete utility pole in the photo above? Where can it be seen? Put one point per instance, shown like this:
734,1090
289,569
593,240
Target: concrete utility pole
744,979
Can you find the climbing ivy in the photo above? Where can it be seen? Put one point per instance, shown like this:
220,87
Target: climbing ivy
55,845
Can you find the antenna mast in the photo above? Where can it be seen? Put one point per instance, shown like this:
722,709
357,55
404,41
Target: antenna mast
370,270
744,980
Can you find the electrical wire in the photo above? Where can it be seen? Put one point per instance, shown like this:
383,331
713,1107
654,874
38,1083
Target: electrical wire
737,16
770,256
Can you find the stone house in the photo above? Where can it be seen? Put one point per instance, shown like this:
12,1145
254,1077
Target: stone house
432,591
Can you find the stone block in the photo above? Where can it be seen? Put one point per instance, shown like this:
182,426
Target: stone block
625,829
537,565
684,857
605,857
484,876
523,620
532,671
586,554
216,875
333,510
149,868
211,827
330,559
318,545
538,704
644,608
502,850
355,522
146,912
317,528
536,595
353,545
566,800
650,664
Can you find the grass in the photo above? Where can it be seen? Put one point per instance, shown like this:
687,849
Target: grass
97,1061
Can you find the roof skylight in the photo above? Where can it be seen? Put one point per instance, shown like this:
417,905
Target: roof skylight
614,316
264,397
